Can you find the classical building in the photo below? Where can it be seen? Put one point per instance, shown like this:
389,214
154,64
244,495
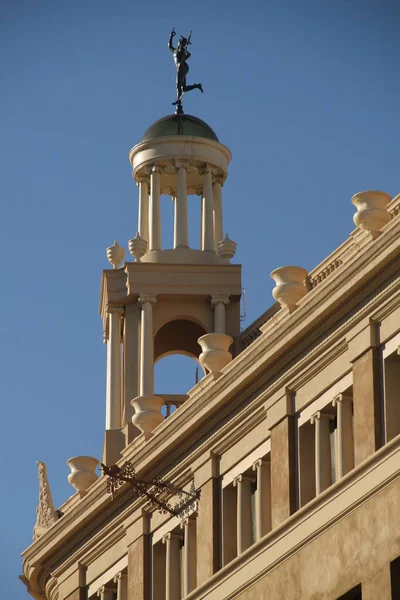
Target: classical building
277,476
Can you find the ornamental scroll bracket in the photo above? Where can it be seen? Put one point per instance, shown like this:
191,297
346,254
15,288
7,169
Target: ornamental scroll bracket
157,492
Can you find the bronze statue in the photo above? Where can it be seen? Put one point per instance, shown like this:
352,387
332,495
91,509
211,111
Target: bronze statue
181,55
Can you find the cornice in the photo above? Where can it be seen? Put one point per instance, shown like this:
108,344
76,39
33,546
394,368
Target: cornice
238,379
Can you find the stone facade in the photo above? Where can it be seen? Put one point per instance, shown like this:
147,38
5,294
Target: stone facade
293,440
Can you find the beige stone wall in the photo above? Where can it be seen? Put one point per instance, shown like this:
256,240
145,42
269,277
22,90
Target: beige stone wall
366,400
78,594
357,549
207,531
138,569
282,470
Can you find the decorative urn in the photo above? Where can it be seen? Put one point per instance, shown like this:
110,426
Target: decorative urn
372,213
290,287
83,472
215,355
147,412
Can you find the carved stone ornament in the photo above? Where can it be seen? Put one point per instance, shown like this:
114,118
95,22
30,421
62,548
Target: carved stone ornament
115,254
46,513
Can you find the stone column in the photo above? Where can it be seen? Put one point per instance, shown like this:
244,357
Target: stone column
189,555
143,214
345,444
244,513
155,216
263,498
113,386
131,358
207,242
323,465
122,586
218,227
106,592
219,302
147,345
181,236
173,570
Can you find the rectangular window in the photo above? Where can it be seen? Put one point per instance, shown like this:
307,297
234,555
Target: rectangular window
395,578
325,443
353,594
391,385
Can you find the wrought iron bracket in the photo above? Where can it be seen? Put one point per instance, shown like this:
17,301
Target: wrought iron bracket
157,491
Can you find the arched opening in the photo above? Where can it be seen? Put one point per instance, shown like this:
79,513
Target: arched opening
176,369
178,336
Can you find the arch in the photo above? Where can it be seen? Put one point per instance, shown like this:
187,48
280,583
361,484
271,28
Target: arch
178,337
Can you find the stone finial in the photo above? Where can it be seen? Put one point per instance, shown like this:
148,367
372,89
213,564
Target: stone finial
215,355
83,472
115,254
226,248
372,213
137,247
46,513
290,286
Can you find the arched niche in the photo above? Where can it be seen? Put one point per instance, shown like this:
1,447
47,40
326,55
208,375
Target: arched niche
178,337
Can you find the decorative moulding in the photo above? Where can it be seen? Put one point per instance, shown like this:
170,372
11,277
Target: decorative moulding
290,286
115,254
46,513
267,350
372,212
83,472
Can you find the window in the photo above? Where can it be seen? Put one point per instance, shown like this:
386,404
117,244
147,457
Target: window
391,385
326,441
353,594
246,503
395,578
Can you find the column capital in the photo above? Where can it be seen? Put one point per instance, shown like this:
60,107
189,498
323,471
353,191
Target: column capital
154,169
320,416
186,521
141,179
119,576
181,164
242,479
347,397
259,463
219,299
104,589
143,298
171,535
206,169
115,309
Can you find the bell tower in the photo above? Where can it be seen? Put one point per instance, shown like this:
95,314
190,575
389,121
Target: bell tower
178,300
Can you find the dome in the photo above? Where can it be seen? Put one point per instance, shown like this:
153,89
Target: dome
179,125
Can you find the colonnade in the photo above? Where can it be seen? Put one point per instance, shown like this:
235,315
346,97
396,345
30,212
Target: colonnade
116,590
344,459
177,571
145,357
149,215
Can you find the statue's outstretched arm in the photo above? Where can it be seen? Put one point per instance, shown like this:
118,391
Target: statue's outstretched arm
171,37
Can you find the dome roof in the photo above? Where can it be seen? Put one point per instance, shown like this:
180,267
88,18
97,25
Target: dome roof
179,125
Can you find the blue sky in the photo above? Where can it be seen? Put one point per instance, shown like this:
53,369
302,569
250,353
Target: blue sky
305,94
